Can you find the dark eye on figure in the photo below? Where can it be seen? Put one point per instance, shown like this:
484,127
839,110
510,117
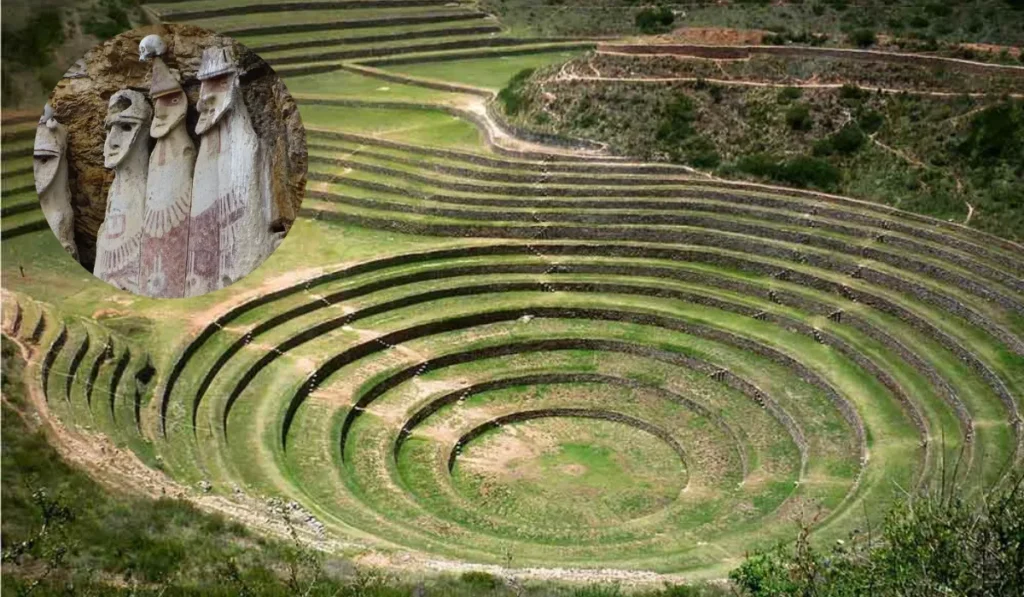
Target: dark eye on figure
126,127
42,159
175,100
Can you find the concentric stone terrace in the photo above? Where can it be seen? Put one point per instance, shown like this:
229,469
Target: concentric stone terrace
733,357
558,358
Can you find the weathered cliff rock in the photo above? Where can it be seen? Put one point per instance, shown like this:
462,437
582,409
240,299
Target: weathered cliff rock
80,102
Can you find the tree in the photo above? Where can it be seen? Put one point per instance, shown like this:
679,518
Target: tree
654,19
863,38
798,117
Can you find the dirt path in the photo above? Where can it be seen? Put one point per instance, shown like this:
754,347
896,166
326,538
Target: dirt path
563,76
499,136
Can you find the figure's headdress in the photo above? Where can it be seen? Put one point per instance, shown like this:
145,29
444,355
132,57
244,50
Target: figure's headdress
128,106
217,62
48,151
164,83
50,140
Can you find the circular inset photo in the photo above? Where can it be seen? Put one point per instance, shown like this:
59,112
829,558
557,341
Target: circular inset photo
170,161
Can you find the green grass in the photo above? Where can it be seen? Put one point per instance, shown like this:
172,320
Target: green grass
556,492
490,73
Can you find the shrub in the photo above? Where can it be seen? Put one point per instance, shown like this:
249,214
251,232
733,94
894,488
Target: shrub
798,117
677,119
112,20
807,171
480,580
33,45
870,121
849,139
863,38
995,134
800,171
851,92
931,545
939,9
654,19
699,152
789,94
918,22
512,96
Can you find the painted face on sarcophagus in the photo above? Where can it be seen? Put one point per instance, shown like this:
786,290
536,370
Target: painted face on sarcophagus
168,111
216,97
127,113
219,91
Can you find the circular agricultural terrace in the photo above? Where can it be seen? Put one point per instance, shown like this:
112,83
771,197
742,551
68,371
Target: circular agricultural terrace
621,366
578,361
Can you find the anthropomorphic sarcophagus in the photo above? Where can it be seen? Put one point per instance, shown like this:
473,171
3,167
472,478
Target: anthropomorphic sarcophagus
126,151
231,214
165,226
50,168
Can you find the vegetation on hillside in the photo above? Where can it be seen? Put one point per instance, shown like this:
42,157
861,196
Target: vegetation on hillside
42,39
944,156
986,21
939,545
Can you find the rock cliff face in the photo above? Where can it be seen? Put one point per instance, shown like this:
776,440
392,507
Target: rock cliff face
80,103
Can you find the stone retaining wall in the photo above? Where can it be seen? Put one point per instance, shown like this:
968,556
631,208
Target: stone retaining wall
50,357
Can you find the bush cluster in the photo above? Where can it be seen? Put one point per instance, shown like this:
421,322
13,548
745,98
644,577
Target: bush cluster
654,19
932,545
799,171
513,95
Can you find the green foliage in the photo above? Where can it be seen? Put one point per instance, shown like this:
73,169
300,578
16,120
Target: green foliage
111,20
985,21
932,545
852,93
798,117
848,140
863,38
785,36
33,45
870,121
512,96
996,134
789,94
677,119
800,171
483,581
677,137
654,19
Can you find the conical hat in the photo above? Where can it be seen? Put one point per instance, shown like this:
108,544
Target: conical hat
217,62
164,82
